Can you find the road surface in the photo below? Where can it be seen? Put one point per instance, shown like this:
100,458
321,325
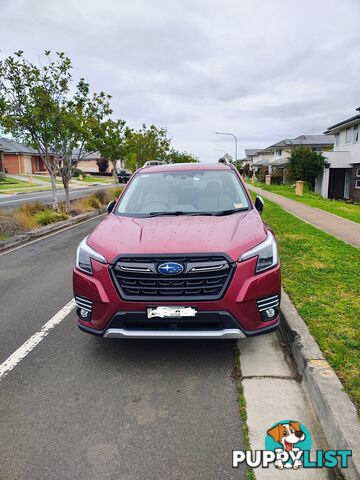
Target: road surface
84,408
14,201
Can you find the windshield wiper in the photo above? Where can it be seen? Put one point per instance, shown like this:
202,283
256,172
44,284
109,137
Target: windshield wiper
229,212
177,213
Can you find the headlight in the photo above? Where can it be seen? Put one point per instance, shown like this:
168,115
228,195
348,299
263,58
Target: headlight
84,254
266,252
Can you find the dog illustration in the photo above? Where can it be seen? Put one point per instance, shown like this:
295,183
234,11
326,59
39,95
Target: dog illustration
287,434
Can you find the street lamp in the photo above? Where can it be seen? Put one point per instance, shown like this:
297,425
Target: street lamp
232,135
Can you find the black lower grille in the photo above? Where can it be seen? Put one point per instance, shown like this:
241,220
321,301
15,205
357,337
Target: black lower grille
201,278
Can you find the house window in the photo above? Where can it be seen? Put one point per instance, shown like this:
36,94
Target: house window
356,133
278,152
357,183
337,138
348,135
357,174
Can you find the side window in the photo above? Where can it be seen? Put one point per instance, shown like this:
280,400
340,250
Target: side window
337,139
348,132
356,133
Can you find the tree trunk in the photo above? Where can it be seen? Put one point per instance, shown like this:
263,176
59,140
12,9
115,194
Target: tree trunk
115,172
67,193
53,190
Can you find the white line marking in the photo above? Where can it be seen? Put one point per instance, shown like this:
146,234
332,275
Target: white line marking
35,339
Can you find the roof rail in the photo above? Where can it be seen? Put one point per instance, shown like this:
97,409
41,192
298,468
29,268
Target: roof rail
224,160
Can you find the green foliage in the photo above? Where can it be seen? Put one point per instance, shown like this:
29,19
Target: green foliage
305,164
49,216
40,106
148,143
260,174
103,164
175,156
277,177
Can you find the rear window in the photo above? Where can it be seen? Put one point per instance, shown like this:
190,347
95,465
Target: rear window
192,191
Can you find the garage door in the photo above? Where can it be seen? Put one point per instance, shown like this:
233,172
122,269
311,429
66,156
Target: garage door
27,165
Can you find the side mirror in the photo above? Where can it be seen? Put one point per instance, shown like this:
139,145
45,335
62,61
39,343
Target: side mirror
259,204
111,206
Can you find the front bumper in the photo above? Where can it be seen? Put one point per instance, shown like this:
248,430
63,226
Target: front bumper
207,325
239,304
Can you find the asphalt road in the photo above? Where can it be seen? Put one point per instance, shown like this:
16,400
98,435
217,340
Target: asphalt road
45,197
80,407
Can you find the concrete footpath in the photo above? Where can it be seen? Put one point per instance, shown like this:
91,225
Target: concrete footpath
339,227
273,393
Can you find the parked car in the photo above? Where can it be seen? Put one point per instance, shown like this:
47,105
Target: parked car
124,176
183,253
154,163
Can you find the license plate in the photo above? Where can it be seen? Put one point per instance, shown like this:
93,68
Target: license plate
171,312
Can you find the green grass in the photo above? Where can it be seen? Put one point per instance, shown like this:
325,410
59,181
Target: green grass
321,275
46,178
349,211
91,179
11,183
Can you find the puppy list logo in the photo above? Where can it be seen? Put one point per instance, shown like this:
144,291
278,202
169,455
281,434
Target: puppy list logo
288,445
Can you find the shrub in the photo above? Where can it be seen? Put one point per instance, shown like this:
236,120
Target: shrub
260,174
277,177
101,195
305,165
48,216
24,220
77,172
31,208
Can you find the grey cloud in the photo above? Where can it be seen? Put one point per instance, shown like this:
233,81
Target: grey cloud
264,70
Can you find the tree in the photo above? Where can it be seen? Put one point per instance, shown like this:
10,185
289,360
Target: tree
38,108
148,143
109,139
305,164
31,104
103,164
82,116
175,156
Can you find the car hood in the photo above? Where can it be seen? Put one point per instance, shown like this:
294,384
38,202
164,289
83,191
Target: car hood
232,234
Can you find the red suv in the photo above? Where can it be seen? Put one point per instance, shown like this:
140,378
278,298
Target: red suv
183,253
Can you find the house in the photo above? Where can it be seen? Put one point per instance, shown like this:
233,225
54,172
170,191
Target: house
277,155
341,177
90,161
19,159
250,153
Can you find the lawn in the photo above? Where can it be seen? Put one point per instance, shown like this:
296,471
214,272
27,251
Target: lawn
321,275
346,210
46,178
91,179
12,183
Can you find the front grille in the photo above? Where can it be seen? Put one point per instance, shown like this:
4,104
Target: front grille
203,277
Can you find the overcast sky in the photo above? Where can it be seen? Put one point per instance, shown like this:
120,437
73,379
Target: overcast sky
262,69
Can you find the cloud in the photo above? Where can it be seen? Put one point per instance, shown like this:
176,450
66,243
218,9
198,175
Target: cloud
264,70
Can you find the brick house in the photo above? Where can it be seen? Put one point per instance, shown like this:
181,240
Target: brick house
18,159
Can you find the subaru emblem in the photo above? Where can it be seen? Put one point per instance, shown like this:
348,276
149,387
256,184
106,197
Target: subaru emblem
170,268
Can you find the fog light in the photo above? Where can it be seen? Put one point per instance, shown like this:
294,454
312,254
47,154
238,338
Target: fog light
270,312
84,314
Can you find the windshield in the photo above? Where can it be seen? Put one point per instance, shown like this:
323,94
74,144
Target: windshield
183,192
